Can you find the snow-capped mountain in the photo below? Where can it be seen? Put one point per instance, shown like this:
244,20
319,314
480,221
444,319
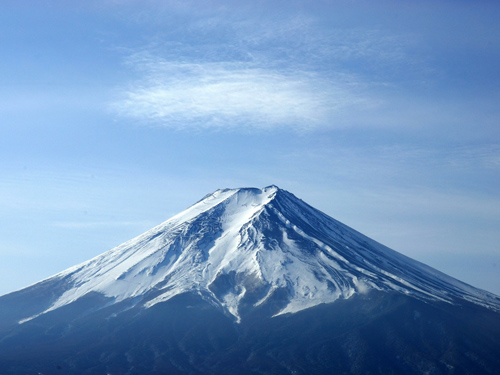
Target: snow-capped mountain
250,281
241,247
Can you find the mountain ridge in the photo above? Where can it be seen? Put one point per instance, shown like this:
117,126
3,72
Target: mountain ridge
245,246
250,281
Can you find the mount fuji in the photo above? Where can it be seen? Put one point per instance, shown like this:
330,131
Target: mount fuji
253,281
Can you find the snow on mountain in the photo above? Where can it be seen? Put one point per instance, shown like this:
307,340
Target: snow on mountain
237,247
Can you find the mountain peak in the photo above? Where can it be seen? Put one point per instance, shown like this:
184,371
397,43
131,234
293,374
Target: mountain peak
271,189
220,195
240,275
245,248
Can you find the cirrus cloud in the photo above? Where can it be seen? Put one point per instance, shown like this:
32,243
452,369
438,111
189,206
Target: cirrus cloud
233,94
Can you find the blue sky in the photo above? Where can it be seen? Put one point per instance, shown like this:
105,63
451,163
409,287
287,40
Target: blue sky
116,115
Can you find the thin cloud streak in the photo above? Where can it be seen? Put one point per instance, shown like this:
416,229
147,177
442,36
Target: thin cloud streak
101,224
293,72
233,94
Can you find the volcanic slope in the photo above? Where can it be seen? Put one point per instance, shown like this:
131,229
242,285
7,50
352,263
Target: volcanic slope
240,247
251,281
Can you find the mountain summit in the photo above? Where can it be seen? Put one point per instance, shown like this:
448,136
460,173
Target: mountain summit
241,253
242,247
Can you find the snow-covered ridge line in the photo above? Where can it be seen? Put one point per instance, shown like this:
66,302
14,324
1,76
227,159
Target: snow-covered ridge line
244,246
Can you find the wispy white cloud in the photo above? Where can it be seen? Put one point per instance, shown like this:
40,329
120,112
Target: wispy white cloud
226,67
233,94
237,69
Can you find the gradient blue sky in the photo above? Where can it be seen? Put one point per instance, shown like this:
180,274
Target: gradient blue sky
116,115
